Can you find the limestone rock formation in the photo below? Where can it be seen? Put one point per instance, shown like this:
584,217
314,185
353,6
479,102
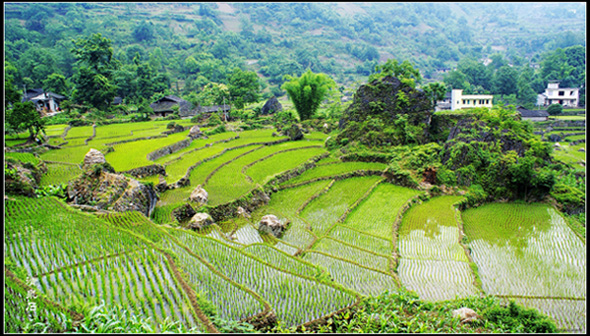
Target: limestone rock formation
200,220
195,133
20,180
243,212
162,184
465,314
471,131
294,132
105,190
385,101
271,225
271,106
93,157
183,213
199,195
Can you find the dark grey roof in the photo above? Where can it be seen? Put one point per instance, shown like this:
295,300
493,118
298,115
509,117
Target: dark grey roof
532,113
30,93
214,108
165,104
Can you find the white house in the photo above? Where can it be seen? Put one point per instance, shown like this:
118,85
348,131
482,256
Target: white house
460,101
566,97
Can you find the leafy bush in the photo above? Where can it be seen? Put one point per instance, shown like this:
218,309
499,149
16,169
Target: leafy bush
568,196
79,122
214,120
515,318
217,130
58,190
554,109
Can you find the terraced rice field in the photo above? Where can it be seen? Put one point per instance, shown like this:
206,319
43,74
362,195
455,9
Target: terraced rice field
334,169
538,255
432,262
346,237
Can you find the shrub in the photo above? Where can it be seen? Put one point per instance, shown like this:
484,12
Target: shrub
518,319
217,130
554,109
214,120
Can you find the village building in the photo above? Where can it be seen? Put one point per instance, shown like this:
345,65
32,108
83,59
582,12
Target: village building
532,115
444,104
566,97
164,107
47,103
460,101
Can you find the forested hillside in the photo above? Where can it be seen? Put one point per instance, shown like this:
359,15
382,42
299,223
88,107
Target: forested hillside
182,47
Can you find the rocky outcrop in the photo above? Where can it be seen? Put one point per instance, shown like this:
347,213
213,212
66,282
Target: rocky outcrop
294,132
99,187
196,133
141,172
271,106
465,314
243,212
272,225
19,180
200,221
93,157
199,195
162,184
175,147
385,101
183,213
479,134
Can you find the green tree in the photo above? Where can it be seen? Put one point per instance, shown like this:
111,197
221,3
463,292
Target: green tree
144,31
434,92
505,81
307,92
475,72
404,71
244,85
57,83
11,94
24,116
457,80
94,79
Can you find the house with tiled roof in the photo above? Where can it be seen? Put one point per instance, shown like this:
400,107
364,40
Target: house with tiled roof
163,106
46,103
532,115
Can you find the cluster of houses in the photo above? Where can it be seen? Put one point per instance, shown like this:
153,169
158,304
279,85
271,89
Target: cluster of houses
47,103
566,97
